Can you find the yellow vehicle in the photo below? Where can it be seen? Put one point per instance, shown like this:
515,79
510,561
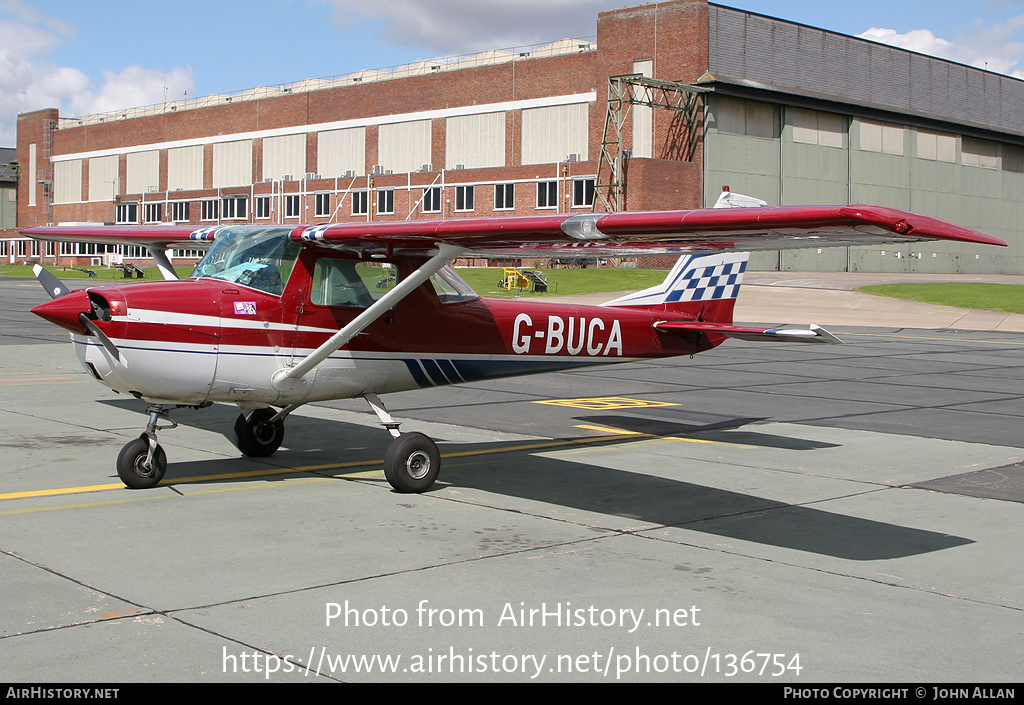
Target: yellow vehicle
512,278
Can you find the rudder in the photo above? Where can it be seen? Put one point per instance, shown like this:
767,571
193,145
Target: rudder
704,286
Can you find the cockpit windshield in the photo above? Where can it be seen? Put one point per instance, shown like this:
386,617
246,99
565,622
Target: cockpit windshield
260,258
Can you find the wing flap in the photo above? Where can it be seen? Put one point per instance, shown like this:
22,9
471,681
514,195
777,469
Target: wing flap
811,334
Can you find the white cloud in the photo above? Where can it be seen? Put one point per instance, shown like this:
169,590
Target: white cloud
985,47
461,26
28,82
132,87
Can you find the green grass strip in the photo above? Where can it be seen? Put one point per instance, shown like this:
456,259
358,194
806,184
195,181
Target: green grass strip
1008,298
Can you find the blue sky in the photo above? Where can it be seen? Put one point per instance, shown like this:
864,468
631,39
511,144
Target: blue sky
88,57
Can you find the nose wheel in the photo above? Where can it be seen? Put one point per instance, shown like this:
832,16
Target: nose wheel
138,468
141,464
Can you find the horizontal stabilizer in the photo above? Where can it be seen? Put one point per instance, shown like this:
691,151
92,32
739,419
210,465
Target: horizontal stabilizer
812,334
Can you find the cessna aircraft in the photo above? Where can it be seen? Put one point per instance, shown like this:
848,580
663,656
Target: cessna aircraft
277,316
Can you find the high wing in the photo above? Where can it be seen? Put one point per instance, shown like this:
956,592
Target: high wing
160,236
609,234
653,232
156,238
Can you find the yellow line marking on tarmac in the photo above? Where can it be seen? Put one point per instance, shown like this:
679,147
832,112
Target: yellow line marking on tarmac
146,496
610,434
204,478
668,438
606,403
613,431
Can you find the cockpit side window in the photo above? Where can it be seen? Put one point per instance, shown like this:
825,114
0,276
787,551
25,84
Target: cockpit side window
348,282
450,287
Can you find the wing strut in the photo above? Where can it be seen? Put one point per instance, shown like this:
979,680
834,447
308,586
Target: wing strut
289,377
163,262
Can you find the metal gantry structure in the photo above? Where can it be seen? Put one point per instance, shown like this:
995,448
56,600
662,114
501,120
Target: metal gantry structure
624,91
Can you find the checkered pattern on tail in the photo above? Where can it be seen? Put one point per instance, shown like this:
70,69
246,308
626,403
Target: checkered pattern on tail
694,278
718,280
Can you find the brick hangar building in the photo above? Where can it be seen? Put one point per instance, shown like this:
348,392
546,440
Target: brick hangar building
671,102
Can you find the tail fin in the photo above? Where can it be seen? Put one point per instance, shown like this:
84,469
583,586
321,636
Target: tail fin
704,286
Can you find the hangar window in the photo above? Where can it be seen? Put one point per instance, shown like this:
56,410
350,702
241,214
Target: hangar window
127,213
432,199
210,209
814,127
291,206
938,146
360,202
582,193
745,117
464,198
504,197
547,194
881,137
262,206
179,211
235,207
154,212
386,201
980,153
322,204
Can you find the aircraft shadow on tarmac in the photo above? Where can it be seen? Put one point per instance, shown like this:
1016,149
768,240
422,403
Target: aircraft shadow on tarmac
515,469
727,431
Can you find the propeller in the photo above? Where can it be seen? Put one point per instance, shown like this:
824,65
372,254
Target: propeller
107,342
54,286
56,289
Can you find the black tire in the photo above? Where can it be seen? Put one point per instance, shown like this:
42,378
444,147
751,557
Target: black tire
131,465
411,463
257,438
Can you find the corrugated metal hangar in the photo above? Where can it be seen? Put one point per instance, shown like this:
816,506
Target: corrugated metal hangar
669,104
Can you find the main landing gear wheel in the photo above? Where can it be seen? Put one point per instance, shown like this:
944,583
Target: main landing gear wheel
411,463
134,468
256,436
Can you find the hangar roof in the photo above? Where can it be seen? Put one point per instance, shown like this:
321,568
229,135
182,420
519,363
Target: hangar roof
764,53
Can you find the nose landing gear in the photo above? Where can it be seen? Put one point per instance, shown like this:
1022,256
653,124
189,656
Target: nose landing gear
141,464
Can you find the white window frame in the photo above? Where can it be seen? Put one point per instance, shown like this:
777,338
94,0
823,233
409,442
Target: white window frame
262,206
127,213
322,204
547,194
465,199
234,208
386,201
360,202
431,199
179,211
209,209
580,191
504,197
153,209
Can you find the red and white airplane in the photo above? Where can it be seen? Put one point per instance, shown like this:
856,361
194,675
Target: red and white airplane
276,316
